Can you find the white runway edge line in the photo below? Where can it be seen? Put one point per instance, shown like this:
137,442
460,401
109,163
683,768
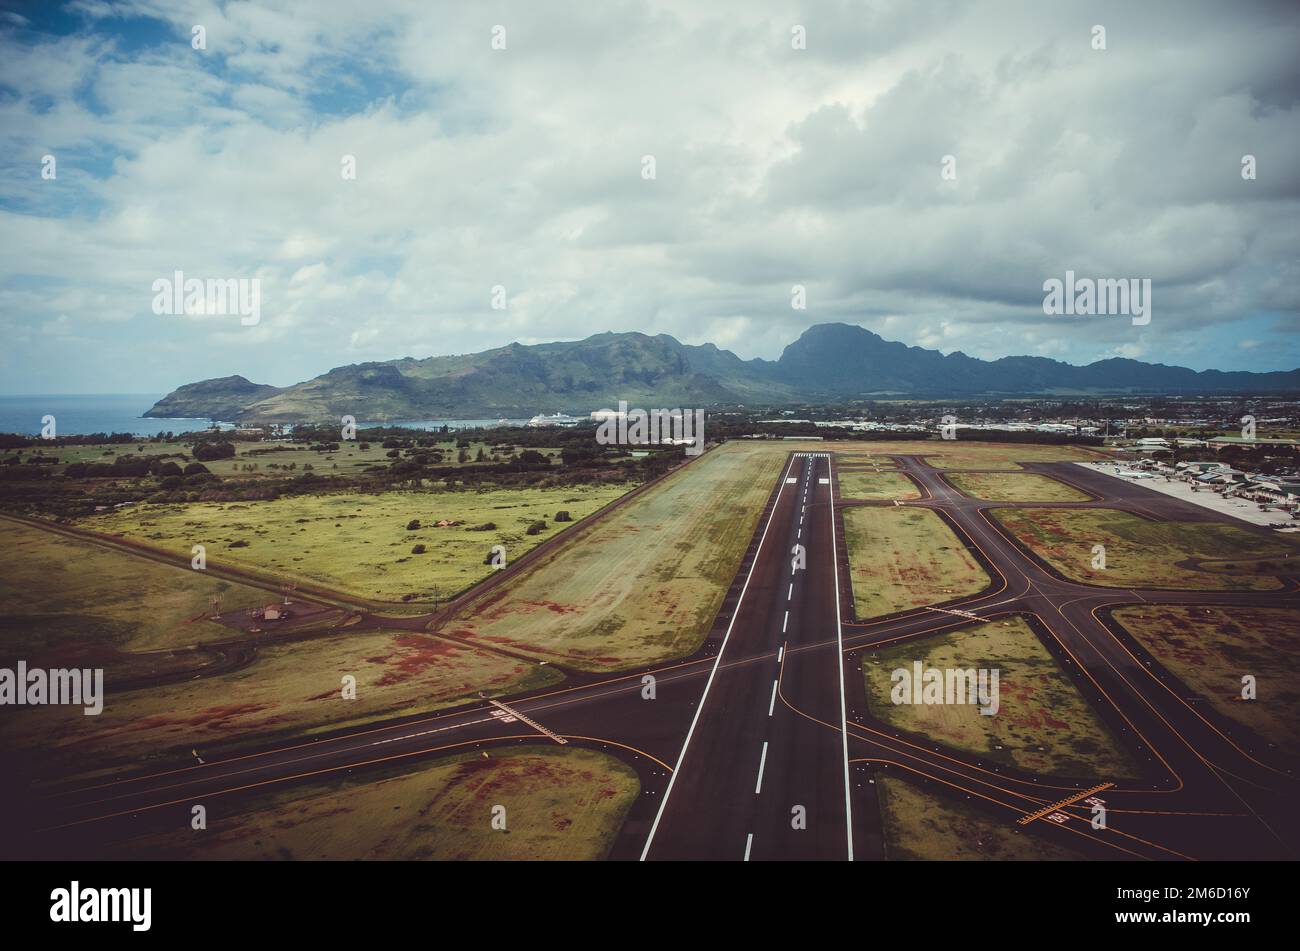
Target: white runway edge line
762,761
713,673
839,654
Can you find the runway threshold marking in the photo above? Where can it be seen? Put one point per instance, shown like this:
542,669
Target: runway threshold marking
1061,804
965,614
532,723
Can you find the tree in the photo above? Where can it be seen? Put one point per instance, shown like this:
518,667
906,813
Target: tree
208,451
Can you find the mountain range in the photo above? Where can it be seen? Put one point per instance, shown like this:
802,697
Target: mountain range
829,362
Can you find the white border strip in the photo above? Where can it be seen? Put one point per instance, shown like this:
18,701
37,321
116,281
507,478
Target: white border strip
718,660
839,654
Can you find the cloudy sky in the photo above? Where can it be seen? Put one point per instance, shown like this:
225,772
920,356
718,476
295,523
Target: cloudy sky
524,167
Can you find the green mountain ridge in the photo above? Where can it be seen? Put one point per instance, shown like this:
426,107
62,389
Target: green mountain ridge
827,362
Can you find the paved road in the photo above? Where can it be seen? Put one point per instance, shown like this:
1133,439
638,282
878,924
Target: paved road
1213,790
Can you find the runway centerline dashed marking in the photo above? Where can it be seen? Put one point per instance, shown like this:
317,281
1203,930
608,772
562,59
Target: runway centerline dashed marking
762,761
442,729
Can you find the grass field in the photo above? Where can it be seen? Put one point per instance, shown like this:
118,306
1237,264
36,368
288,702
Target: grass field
292,688
1043,724
958,454
646,586
1211,648
1015,487
72,600
252,461
359,543
560,804
1142,553
925,827
876,485
903,558
863,460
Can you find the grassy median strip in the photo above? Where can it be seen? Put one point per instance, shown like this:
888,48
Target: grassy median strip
1042,724
555,804
922,826
876,485
1015,487
290,689
902,558
1142,553
1211,648
959,454
647,585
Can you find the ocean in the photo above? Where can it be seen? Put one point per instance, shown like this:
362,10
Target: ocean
84,414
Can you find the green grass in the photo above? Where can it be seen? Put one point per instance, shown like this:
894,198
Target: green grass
919,826
902,558
876,485
1043,725
1015,487
646,585
252,461
1147,554
1211,648
359,543
959,454
560,804
290,690
66,597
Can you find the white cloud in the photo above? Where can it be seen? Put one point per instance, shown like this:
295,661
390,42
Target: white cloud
522,167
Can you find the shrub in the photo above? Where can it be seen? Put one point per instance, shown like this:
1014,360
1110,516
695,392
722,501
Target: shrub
413,525
418,550
536,528
208,451
563,516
